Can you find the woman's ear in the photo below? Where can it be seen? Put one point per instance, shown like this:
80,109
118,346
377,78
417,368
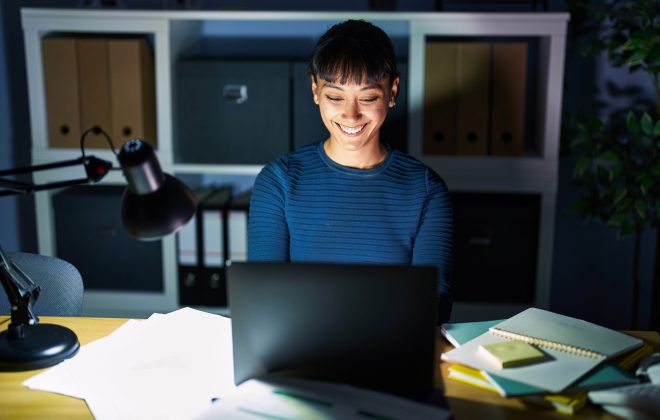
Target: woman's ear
314,87
394,90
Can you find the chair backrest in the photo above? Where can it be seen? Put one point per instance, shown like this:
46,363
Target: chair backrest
61,285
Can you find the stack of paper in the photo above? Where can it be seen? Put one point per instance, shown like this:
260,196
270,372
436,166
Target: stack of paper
165,367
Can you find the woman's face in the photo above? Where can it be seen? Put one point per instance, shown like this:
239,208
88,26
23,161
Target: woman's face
353,113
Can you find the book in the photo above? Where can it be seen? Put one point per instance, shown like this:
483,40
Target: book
471,377
462,332
569,403
562,338
570,335
511,353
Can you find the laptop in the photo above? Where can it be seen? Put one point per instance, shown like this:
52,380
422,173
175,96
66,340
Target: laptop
372,326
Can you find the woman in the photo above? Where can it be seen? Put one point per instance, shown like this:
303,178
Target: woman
351,198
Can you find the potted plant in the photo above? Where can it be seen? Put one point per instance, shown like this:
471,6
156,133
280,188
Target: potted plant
618,165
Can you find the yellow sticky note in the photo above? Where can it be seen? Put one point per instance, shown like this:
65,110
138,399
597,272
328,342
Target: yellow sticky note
511,353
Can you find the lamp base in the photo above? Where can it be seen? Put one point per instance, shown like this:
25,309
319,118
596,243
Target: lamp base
41,345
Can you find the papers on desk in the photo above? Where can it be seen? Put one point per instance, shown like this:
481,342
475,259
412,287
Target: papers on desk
165,367
296,399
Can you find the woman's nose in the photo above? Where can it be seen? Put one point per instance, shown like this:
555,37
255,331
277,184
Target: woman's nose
352,110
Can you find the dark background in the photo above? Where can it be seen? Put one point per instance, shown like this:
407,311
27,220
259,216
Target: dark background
591,271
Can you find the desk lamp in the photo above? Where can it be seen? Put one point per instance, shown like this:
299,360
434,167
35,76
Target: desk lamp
154,205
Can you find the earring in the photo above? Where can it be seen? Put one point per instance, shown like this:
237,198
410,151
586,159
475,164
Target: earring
392,103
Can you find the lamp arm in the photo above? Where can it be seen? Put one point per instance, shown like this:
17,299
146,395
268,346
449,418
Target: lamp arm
95,170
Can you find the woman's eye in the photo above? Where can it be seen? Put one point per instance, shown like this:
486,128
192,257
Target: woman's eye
333,98
369,100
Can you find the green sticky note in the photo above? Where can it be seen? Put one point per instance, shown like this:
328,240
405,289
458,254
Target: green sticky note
511,353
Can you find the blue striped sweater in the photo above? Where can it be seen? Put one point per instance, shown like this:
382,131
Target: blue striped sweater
306,207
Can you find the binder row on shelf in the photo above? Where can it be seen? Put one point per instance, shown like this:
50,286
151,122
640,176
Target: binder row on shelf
99,82
474,98
215,236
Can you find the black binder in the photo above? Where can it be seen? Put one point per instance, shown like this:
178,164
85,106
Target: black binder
212,246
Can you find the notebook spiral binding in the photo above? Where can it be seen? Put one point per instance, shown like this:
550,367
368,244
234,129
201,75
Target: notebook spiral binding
547,344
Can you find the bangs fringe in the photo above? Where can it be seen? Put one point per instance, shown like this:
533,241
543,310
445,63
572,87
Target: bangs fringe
350,64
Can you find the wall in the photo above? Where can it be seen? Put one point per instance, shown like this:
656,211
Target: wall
17,230
8,216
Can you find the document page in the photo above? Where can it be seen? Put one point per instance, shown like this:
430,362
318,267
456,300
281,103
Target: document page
169,366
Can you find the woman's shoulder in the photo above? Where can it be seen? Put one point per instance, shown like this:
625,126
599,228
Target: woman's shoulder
299,157
409,163
405,163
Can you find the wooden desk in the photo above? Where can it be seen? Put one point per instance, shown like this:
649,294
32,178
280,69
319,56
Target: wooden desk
467,402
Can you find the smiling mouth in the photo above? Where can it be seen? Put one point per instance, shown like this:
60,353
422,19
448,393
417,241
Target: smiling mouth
351,131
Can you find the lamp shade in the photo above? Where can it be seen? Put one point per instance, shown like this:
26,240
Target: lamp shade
154,204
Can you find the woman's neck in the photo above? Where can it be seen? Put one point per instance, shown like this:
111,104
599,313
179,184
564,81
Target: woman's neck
364,158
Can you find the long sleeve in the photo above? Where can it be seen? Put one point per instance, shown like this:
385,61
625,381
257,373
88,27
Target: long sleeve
434,239
268,233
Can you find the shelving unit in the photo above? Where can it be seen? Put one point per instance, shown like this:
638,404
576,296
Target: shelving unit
174,34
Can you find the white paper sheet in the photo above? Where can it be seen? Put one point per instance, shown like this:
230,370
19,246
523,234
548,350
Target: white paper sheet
166,367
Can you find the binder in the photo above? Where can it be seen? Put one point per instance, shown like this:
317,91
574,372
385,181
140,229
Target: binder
213,250
94,83
473,93
62,94
508,100
132,90
440,98
189,262
237,223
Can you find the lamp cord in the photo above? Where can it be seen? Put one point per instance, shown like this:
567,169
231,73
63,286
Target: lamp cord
96,130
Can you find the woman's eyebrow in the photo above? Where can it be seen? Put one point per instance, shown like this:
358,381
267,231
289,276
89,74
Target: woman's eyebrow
368,87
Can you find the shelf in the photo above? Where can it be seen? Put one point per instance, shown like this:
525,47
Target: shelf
177,35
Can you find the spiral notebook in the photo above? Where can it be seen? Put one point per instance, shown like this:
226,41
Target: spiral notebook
573,347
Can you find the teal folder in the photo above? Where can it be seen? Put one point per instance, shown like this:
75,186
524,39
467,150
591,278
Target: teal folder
602,376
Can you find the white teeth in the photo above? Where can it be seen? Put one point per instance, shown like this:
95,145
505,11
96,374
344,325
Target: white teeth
351,130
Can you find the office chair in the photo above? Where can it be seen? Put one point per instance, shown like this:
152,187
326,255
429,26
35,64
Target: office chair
61,285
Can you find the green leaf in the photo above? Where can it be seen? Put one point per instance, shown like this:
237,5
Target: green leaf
637,58
646,123
631,122
645,183
609,156
580,139
617,219
625,230
581,166
640,208
620,196
632,44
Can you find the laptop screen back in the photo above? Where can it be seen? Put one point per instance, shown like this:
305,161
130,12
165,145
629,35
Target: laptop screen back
372,326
